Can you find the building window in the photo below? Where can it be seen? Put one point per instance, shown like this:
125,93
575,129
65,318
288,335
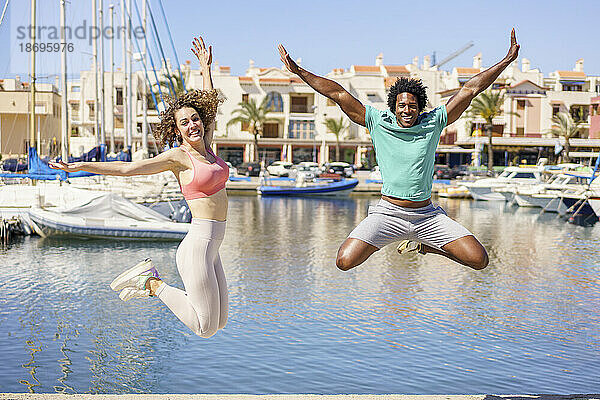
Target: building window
75,111
520,105
92,110
521,131
373,97
299,104
598,88
118,122
274,102
555,110
301,129
119,96
75,88
245,127
245,97
271,130
580,113
568,87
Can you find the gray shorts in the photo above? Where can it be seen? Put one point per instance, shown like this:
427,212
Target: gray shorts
387,223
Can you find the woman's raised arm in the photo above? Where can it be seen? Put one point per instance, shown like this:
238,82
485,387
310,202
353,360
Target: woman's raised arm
204,56
163,162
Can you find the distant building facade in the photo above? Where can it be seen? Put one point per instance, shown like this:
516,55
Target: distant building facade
296,129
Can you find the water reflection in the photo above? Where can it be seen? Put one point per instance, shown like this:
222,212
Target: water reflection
414,324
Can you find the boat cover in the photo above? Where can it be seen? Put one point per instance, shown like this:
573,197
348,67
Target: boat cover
112,205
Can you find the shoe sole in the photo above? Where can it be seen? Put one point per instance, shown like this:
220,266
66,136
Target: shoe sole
119,282
401,249
402,246
123,294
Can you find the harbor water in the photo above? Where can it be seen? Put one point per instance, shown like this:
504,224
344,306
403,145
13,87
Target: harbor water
412,324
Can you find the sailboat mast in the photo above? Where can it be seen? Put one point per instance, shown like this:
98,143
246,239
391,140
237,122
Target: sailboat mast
112,77
95,69
126,142
64,118
144,95
32,75
102,89
132,109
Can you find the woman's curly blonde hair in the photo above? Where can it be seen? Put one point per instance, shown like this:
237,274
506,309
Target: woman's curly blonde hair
205,102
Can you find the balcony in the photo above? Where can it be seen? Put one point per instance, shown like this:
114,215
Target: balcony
300,109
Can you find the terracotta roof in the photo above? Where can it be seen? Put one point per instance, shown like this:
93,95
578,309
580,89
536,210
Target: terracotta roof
571,74
366,68
245,79
396,69
283,81
338,70
528,81
296,80
263,69
467,71
225,69
73,101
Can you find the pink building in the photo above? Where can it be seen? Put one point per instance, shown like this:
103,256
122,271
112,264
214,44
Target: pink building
595,118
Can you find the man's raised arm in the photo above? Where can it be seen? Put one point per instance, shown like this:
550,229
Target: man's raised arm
477,84
328,88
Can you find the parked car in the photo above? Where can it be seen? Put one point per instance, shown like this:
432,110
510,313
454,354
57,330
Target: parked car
342,168
445,172
232,170
249,169
280,168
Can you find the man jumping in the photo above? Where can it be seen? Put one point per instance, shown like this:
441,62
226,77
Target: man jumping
405,139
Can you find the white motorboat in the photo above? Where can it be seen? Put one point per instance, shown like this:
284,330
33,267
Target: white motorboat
541,194
107,216
489,188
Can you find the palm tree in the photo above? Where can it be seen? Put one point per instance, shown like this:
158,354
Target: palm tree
175,80
336,127
565,126
488,105
255,116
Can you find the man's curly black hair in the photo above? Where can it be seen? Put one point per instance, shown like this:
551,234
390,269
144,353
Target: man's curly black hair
413,86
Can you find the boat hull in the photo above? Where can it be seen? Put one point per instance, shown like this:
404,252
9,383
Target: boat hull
334,189
56,224
485,193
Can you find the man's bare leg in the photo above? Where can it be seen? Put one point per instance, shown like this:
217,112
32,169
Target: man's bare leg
466,251
353,252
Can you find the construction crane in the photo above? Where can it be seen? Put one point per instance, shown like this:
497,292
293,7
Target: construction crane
453,55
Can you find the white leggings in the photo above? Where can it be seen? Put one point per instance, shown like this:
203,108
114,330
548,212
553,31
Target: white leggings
204,304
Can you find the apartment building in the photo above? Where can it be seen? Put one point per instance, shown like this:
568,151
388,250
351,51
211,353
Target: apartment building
15,100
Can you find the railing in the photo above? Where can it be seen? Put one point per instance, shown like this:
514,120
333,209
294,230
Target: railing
302,109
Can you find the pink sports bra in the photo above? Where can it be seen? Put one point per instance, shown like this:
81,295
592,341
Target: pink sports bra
208,178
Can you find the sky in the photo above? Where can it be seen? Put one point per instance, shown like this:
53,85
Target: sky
329,34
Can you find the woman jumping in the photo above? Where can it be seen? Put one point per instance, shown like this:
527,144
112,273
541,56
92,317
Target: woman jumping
189,120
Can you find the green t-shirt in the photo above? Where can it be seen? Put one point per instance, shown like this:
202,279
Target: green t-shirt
406,155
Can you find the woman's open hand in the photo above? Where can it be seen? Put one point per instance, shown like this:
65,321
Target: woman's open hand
203,54
68,167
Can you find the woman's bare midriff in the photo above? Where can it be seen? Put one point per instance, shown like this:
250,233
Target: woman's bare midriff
212,207
407,203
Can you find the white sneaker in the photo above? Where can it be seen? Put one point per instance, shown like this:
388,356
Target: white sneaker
408,246
132,293
135,277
